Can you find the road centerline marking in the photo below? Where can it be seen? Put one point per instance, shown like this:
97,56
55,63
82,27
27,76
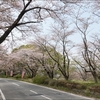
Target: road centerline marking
46,97
15,84
2,95
41,95
33,91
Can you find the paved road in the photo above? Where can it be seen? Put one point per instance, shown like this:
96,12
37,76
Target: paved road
17,90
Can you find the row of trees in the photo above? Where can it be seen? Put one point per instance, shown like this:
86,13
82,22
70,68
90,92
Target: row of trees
55,54
54,51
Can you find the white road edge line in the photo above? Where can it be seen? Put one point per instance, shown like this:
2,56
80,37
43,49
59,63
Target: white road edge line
33,91
2,95
41,95
15,84
46,97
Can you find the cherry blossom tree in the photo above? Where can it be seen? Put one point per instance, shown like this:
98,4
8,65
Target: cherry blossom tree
58,46
24,60
23,16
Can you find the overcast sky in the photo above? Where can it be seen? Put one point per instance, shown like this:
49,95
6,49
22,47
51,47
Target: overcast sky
76,38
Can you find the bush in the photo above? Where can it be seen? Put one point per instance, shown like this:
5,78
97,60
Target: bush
94,89
46,82
73,85
40,79
61,83
18,76
27,76
52,82
4,76
70,85
58,83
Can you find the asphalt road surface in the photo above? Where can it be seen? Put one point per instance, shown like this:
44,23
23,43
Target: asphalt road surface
18,90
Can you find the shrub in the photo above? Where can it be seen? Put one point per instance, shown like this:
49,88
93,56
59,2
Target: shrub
52,82
4,76
61,83
40,79
46,81
18,76
95,89
79,86
73,85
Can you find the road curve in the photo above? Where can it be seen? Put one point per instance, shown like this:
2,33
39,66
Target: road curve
18,90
